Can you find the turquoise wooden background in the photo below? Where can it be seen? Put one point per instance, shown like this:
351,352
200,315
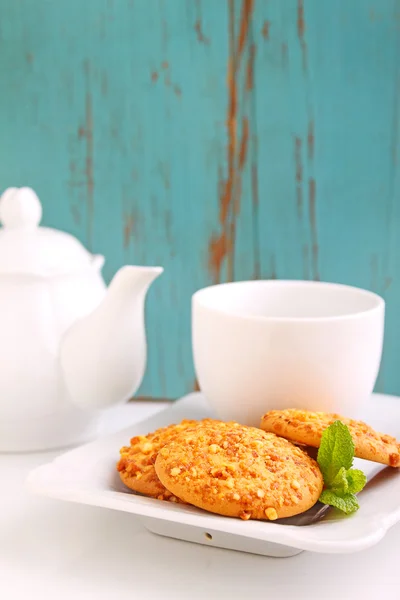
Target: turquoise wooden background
222,139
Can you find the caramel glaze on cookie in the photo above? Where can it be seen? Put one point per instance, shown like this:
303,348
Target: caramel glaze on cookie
239,471
136,463
305,427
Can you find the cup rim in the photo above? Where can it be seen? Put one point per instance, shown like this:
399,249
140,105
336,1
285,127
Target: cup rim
379,302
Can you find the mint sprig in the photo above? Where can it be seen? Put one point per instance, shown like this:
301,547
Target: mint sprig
335,459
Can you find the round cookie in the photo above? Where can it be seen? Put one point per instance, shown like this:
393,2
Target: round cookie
306,427
136,464
239,471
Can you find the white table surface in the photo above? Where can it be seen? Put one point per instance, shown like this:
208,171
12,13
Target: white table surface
56,550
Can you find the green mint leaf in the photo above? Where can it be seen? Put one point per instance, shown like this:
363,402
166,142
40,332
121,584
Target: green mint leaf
336,451
356,480
335,459
340,484
347,503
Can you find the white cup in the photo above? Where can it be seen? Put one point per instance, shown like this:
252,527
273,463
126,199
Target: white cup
263,345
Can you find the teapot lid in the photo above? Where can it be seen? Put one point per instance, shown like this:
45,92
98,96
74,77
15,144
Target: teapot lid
27,248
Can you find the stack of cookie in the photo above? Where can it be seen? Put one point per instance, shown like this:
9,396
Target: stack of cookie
239,471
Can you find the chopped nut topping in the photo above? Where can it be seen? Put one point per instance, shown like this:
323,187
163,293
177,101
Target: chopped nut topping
260,493
229,467
214,448
245,515
175,471
271,514
295,484
147,448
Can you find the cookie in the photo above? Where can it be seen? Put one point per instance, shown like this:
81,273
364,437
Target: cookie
305,427
136,463
239,471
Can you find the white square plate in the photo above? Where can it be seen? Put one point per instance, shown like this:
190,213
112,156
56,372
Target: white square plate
88,475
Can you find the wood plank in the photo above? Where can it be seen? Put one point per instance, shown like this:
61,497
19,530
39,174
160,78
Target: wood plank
223,139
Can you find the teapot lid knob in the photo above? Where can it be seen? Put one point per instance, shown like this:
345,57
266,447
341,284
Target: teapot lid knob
20,208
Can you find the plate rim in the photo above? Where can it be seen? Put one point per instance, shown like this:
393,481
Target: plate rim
44,480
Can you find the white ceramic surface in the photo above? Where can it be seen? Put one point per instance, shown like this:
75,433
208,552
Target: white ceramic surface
87,475
68,346
262,345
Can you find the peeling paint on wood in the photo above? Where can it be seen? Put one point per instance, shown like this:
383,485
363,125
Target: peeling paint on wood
272,273
129,228
306,262
218,250
86,132
299,176
265,29
247,9
244,143
89,166
76,215
255,206
222,247
313,227
199,32
300,19
388,283
301,27
168,230
250,68
177,91
167,79
310,140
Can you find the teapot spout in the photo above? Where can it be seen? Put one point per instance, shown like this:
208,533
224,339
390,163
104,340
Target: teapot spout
103,356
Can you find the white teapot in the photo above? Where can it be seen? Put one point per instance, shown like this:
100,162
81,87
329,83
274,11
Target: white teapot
69,346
